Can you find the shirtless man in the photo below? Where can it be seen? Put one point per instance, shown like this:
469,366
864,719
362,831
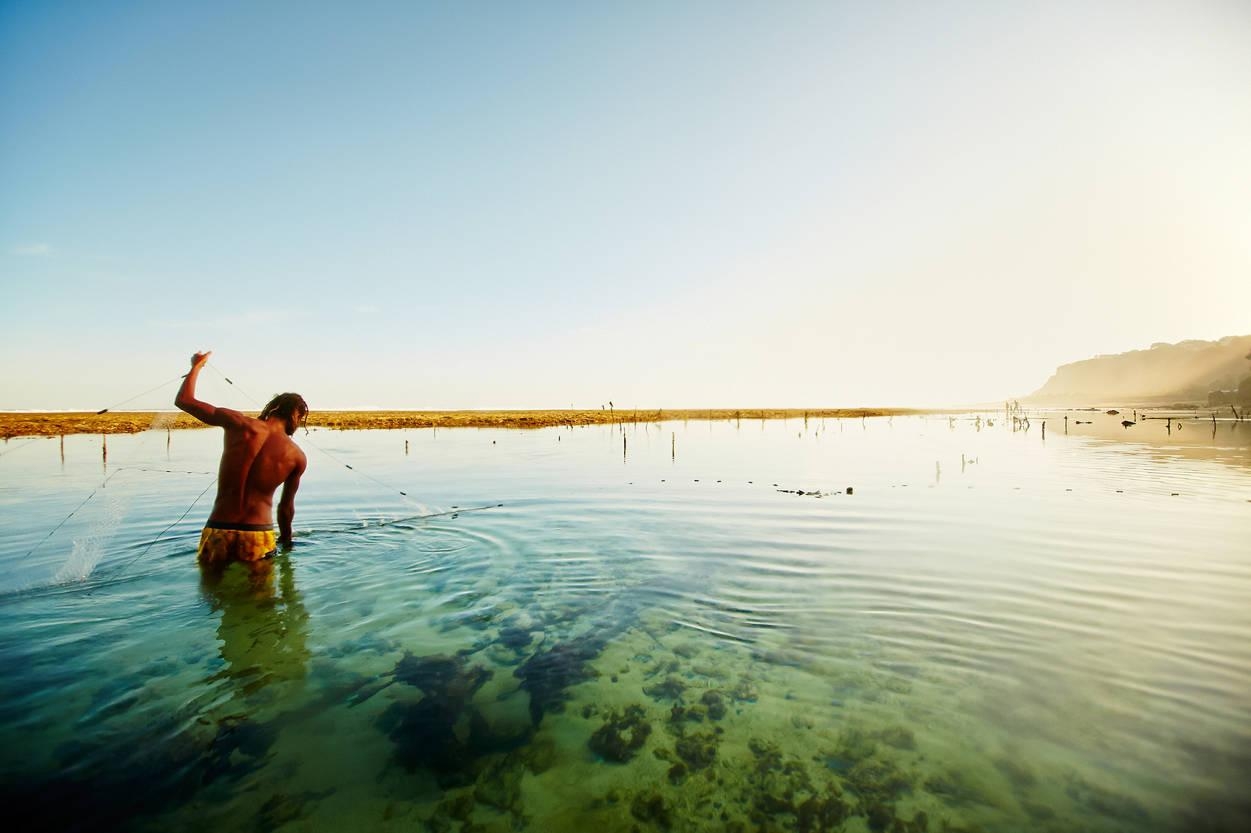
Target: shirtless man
257,458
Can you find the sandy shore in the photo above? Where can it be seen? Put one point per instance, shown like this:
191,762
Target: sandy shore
131,422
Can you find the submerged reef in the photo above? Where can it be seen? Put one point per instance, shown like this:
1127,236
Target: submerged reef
622,735
652,808
515,638
443,732
113,780
698,749
439,677
240,746
1100,800
283,808
547,675
711,706
475,748
670,688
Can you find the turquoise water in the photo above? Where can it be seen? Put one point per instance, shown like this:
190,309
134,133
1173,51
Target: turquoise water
645,627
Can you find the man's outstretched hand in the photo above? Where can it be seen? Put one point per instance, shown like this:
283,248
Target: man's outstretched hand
199,359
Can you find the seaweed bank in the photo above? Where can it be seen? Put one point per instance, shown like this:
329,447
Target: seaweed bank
132,422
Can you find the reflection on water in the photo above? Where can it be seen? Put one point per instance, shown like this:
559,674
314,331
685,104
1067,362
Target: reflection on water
263,625
1167,434
884,625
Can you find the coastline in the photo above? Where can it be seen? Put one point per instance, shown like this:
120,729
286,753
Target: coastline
52,424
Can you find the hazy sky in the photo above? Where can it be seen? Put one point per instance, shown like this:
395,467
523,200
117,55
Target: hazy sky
663,204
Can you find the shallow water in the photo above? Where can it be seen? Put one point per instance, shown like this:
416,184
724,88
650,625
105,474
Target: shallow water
611,628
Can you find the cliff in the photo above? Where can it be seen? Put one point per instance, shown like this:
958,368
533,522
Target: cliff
1184,372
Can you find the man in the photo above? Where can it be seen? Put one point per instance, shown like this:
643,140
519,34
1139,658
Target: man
257,458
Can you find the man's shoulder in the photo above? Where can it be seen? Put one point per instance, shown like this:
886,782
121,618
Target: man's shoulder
239,421
297,453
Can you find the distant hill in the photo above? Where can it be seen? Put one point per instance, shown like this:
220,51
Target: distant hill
1184,372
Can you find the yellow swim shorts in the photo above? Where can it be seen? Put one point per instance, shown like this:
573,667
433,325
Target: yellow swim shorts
221,543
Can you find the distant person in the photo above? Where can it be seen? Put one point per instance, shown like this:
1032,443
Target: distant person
258,457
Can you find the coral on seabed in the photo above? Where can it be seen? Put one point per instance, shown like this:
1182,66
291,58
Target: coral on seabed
547,675
443,732
622,735
670,688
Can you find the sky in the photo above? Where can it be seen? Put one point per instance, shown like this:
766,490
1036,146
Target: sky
659,204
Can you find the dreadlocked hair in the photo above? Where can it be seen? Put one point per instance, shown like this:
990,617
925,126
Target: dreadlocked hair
286,405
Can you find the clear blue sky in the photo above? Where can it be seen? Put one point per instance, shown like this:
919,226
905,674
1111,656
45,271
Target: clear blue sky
662,204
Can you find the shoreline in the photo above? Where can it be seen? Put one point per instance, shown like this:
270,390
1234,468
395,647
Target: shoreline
53,424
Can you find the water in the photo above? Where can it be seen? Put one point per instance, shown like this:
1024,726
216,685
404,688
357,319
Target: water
642,627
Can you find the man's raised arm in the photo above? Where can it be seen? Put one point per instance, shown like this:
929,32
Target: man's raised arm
203,411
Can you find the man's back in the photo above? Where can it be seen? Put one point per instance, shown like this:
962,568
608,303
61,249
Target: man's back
257,458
